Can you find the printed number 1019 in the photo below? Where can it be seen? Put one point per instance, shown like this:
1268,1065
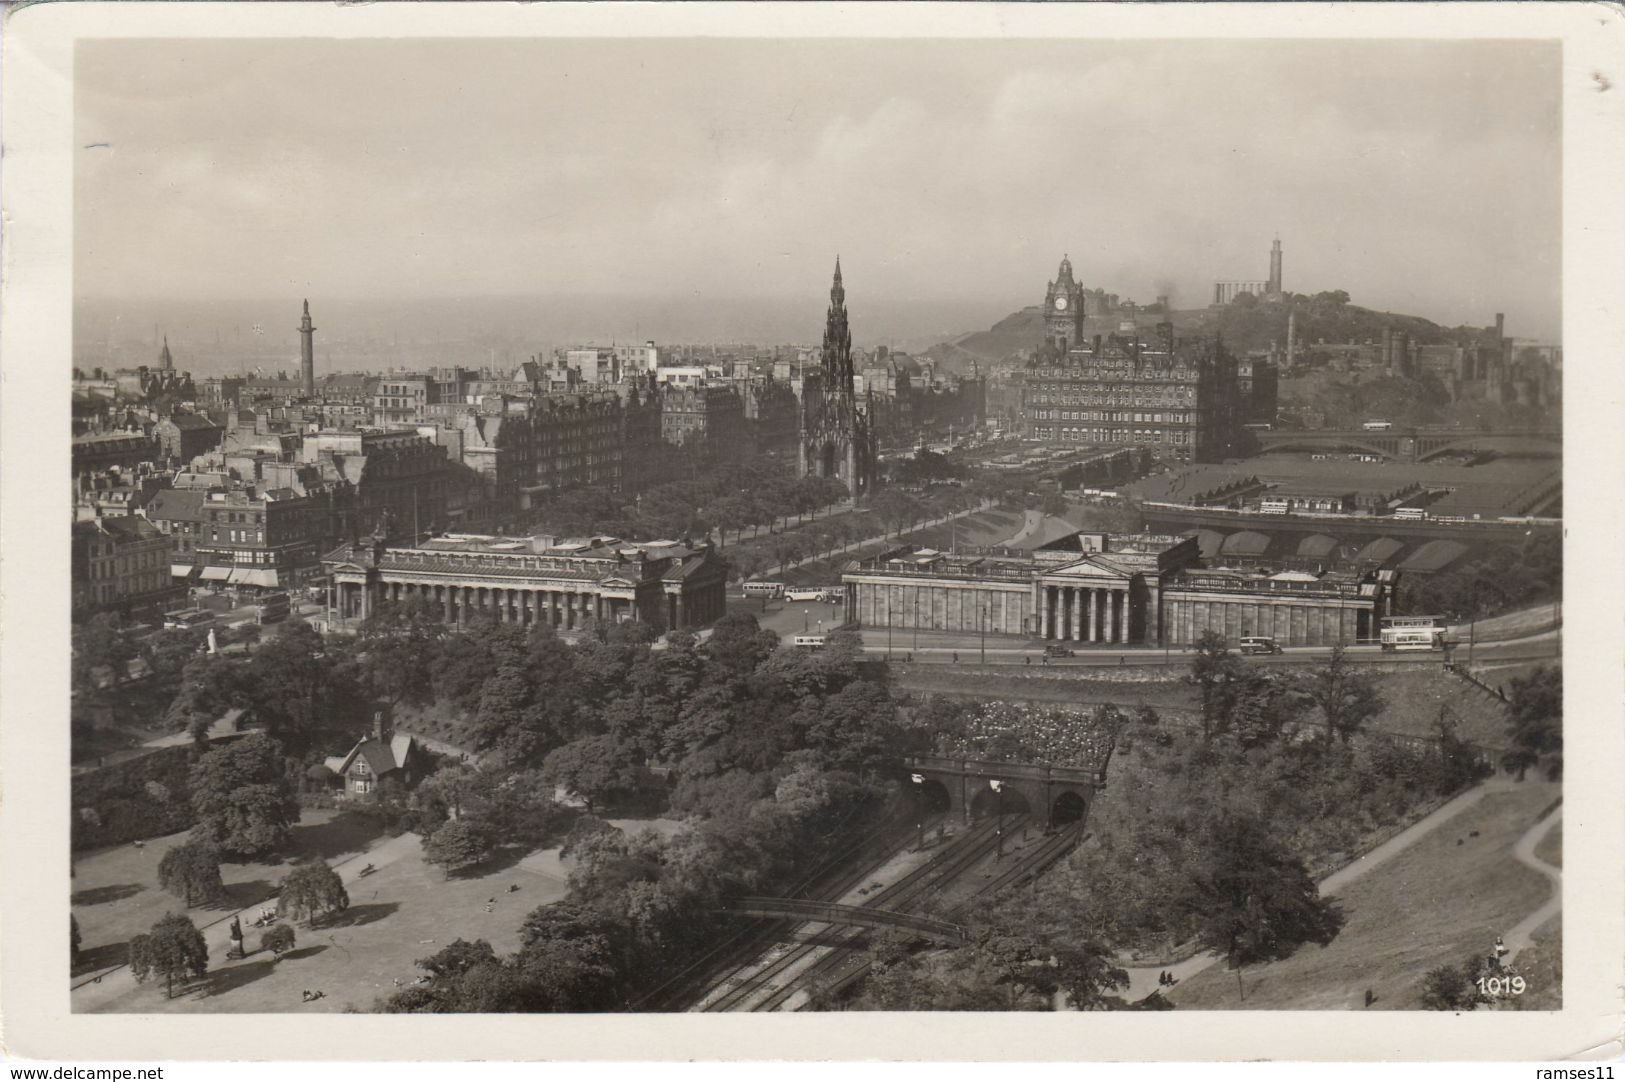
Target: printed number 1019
1502,986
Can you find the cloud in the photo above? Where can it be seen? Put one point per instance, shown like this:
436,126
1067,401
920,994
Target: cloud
1420,174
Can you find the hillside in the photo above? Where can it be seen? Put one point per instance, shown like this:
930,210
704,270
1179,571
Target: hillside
1245,325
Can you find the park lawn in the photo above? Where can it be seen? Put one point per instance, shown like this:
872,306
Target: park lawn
116,893
1412,698
1550,848
1541,964
404,911
1433,904
988,527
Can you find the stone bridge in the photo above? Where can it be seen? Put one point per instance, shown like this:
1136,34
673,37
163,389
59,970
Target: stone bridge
856,915
1056,795
1414,444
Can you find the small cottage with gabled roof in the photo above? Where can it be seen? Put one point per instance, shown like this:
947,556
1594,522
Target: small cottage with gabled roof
380,755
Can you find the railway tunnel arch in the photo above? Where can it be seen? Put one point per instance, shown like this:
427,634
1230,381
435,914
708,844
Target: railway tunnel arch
1069,807
931,797
986,802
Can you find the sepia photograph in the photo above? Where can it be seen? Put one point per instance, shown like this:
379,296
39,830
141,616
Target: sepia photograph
812,522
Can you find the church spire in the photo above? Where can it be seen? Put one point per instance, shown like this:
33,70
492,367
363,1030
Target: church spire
837,353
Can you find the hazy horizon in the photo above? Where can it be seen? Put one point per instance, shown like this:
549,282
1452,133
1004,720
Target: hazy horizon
707,185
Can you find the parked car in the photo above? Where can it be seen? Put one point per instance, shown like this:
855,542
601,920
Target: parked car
1055,649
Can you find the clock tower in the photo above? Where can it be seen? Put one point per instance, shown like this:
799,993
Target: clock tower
1063,309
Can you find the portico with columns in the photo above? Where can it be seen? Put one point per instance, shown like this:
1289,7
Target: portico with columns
1090,603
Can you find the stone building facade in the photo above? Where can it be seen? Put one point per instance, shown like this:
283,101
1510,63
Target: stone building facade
712,415
1177,395
183,436
532,580
121,565
1095,589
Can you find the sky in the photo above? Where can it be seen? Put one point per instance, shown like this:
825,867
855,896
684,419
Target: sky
726,175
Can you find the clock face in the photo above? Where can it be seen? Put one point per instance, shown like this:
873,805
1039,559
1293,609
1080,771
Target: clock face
1060,304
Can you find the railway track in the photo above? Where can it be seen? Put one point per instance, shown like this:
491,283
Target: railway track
1026,867
830,881
758,990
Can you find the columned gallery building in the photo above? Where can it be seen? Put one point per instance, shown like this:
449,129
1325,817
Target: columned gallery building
1093,588
532,580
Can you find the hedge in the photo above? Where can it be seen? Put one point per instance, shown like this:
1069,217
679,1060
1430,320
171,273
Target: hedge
125,810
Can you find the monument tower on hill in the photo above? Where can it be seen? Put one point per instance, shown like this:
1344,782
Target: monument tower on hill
837,439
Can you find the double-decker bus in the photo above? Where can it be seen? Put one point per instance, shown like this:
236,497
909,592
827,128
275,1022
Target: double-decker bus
1412,633
273,608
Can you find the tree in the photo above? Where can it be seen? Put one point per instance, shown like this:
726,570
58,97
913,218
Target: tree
311,891
173,949
209,685
1251,899
1347,698
101,642
399,646
191,871
1087,974
1054,504
1454,988
574,954
287,678
73,938
1535,723
244,802
278,940
1214,671
458,845
595,768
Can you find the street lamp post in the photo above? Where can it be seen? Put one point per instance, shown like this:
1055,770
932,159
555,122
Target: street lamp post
919,810
888,623
998,819
982,625
916,619
806,615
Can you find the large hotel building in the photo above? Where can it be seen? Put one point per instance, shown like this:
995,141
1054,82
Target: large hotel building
1176,394
1094,588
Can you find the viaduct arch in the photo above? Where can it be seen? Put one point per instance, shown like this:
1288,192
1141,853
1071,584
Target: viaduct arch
1057,795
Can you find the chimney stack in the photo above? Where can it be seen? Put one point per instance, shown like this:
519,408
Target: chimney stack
1291,337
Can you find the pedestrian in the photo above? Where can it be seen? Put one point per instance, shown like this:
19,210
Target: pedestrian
1370,997
956,657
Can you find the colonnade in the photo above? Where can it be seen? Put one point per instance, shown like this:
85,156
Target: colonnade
1084,613
564,609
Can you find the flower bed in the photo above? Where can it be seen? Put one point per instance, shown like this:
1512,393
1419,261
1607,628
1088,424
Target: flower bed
1033,733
